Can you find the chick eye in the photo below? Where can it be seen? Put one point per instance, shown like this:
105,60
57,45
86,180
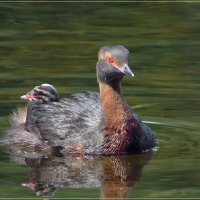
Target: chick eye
110,60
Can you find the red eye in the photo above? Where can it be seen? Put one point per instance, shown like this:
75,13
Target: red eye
110,60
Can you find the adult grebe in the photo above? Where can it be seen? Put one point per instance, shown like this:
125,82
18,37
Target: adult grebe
93,123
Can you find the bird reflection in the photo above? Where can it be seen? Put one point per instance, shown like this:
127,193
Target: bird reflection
115,176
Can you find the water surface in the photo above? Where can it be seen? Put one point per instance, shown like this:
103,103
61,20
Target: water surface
57,43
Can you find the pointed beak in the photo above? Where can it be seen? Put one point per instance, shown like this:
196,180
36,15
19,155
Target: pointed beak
126,70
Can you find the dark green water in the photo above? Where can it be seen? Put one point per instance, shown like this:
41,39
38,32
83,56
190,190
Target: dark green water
57,43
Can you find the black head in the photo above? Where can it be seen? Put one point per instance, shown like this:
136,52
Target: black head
112,64
43,93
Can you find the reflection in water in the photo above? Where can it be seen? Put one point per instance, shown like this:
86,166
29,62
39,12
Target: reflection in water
115,176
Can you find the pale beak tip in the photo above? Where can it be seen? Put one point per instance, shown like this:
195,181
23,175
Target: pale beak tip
23,97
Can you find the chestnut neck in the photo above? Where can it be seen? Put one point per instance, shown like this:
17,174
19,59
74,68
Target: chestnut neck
115,109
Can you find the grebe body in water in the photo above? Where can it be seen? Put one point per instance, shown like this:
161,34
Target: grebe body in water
90,122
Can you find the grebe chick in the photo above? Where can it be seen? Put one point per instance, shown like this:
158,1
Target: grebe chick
43,94
40,94
20,141
93,123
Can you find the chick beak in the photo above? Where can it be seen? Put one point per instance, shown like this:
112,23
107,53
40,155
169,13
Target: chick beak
29,96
